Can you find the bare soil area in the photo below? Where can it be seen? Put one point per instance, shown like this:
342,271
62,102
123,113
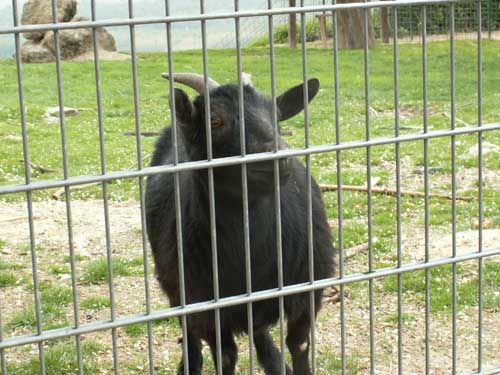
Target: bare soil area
88,230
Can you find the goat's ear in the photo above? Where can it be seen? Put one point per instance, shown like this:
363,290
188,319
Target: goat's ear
183,107
291,102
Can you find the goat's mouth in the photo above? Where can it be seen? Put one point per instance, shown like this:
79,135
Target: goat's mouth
263,172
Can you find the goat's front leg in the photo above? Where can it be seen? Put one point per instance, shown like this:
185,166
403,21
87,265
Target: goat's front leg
229,352
195,357
268,354
297,340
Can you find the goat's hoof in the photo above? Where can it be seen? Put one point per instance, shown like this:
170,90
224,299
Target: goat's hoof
181,372
191,372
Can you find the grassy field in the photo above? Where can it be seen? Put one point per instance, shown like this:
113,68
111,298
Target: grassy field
40,88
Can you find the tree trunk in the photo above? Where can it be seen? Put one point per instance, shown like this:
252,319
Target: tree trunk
292,27
351,28
384,25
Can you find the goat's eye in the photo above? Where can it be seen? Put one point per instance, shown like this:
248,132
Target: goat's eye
216,122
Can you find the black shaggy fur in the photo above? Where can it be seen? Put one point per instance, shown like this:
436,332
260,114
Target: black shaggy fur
196,239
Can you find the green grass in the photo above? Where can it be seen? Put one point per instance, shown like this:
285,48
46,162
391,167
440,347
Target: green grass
118,111
54,300
60,359
329,363
141,329
136,330
95,302
441,291
78,258
405,317
97,271
7,279
10,266
57,269
118,116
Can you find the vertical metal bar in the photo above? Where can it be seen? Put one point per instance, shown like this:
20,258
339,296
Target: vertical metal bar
453,188
399,236
29,195
3,362
480,188
137,117
490,16
339,190
67,191
310,238
411,25
244,185
211,192
277,194
102,148
426,188
369,190
178,213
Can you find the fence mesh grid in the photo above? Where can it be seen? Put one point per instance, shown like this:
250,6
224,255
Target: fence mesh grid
413,18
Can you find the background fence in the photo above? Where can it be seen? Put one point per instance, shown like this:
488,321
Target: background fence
441,294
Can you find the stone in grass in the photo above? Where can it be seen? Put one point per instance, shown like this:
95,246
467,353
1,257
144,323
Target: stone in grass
75,42
52,114
487,148
40,11
33,52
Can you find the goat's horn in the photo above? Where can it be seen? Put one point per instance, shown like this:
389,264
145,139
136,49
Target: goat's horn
193,80
247,79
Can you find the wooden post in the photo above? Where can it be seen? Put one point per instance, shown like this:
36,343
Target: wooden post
292,27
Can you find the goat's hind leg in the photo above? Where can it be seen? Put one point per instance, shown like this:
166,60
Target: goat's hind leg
229,352
297,340
195,357
268,354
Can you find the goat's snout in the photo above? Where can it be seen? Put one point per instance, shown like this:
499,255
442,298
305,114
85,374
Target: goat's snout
286,167
268,146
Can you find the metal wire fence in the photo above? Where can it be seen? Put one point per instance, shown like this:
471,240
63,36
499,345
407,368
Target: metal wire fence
438,20
78,329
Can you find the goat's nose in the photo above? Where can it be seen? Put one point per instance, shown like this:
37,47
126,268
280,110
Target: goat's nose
285,167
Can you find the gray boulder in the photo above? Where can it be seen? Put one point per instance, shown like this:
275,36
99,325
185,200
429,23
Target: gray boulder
75,42
40,11
33,52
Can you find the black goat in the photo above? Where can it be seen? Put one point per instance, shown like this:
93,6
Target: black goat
161,224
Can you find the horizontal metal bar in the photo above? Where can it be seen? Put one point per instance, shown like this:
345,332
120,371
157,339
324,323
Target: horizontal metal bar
235,160
241,299
219,16
488,371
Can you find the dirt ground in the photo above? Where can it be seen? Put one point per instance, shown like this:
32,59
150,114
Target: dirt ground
50,228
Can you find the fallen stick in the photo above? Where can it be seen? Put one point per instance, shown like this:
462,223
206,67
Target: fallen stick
59,193
457,120
135,164
40,168
17,219
143,133
393,192
352,251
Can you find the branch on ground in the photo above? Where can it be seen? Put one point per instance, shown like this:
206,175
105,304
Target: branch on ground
392,192
40,168
143,133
